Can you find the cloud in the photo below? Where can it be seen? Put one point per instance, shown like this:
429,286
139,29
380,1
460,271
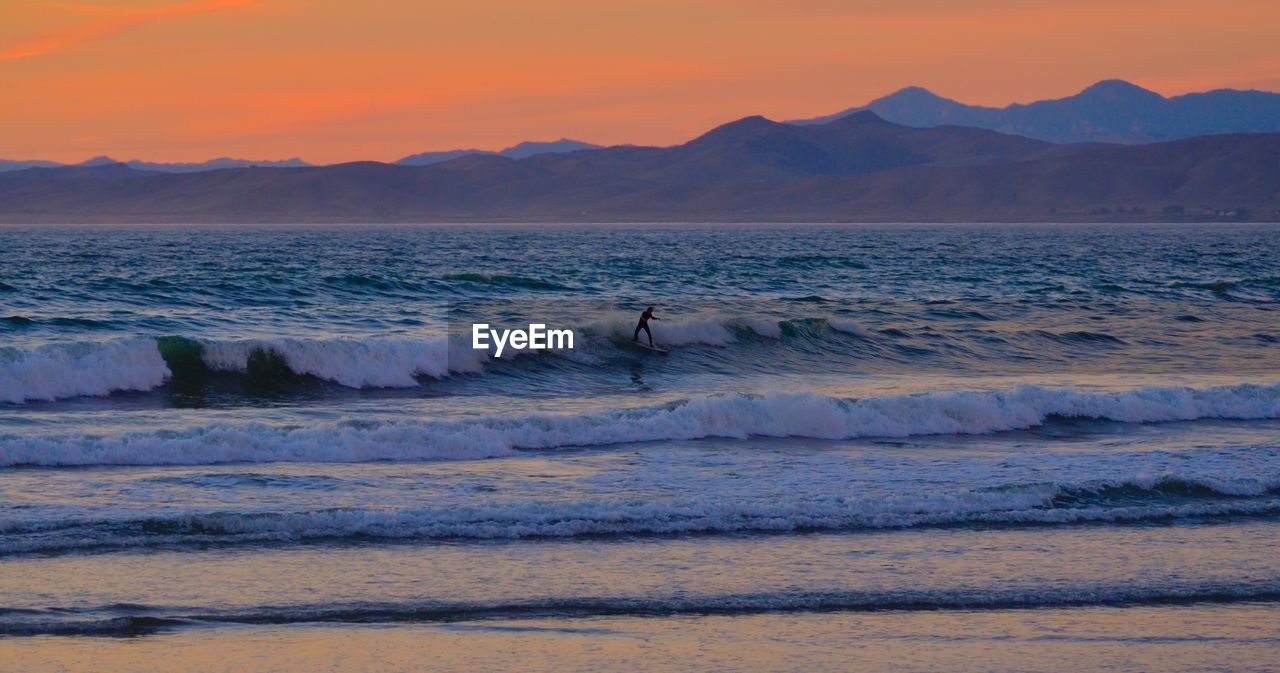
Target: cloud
75,36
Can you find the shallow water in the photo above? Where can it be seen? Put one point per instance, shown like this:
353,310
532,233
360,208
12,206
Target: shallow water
999,439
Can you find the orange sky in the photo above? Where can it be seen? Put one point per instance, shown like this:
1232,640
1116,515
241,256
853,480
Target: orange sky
338,80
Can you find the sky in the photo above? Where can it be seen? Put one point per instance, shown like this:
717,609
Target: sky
341,80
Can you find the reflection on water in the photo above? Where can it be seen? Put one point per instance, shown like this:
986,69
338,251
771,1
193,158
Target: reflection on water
1239,638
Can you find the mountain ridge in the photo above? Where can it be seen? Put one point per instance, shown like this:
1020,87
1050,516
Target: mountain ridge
856,168
163,167
522,150
1108,111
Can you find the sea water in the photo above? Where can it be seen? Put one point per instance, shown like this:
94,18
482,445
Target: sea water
913,447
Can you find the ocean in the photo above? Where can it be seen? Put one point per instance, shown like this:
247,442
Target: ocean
870,447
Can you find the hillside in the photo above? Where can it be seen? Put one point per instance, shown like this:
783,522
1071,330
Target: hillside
858,167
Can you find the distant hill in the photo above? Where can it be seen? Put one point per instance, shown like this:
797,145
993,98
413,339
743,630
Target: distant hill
12,165
210,165
857,168
1109,111
522,151
214,164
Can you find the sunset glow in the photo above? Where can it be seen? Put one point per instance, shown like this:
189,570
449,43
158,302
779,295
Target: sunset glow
334,81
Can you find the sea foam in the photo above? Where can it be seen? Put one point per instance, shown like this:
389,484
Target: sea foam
60,371
734,415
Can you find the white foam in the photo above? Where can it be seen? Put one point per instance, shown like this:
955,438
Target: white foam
349,442
777,414
64,371
708,331
366,363
70,370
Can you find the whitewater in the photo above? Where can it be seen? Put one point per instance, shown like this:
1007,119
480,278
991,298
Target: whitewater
775,414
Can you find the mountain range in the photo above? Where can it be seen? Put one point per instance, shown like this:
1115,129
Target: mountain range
210,165
1112,111
522,151
858,167
1109,111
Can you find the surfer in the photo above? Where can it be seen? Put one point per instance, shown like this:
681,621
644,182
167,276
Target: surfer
644,325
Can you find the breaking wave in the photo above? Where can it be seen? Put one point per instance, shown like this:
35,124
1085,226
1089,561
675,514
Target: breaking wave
376,363
73,370
734,415
62,371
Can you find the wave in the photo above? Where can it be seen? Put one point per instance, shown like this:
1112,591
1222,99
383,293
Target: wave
848,327
72,370
715,331
130,620
62,371
718,331
368,363
733,415
722,331
1127,501
707,332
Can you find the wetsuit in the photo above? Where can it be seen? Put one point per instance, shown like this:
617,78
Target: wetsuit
644,325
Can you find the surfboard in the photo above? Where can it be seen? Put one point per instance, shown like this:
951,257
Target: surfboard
647,347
